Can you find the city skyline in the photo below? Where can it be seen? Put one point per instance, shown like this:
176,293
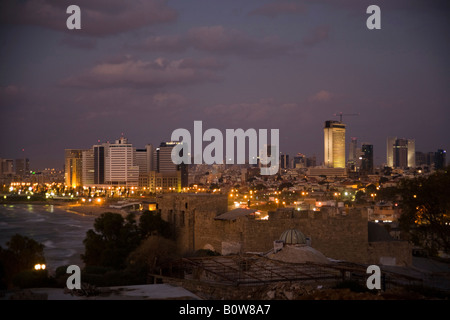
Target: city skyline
147,69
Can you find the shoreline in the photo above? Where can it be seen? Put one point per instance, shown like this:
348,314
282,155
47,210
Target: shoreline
90,210
76,208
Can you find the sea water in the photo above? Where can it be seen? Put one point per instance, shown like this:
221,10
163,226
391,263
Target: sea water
61,232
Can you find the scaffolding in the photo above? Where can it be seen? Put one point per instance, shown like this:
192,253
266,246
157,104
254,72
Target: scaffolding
241,270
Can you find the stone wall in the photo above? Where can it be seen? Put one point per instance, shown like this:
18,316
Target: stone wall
396,253
337,236
192,216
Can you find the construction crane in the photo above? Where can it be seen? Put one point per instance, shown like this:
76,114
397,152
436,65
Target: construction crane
340,114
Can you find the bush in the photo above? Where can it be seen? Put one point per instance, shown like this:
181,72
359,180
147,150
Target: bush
32,279
96,269
152,253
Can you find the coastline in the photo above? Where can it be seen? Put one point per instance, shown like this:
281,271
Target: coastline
77,208
91,210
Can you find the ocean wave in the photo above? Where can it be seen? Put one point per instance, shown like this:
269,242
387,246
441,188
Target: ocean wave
35,220
49,244
70,253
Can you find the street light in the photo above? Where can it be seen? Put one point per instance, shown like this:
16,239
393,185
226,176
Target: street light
39,266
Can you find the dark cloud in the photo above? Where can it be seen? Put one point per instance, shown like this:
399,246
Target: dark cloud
161,72
221,41
98,18
163,43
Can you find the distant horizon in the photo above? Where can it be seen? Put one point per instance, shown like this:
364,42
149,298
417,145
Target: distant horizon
319,158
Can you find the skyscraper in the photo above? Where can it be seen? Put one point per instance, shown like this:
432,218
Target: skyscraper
334,144
299,161
411,153
73,167
390,151
120,168
144,159
352,156
22,166
439,159
164,157
164,163
400,153
100,151
366,159
88,167
284,161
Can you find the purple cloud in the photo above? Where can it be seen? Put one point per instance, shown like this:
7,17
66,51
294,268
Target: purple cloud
219,40
129,72
98,18
321,96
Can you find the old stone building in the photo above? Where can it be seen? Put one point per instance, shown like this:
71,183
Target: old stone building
203,221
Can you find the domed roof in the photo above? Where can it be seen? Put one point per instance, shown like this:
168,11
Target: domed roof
299,254
293,236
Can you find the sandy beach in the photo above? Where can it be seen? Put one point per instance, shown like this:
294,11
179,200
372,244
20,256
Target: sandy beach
75,207
89,209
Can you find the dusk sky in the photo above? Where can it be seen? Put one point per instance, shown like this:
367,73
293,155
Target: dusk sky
146,68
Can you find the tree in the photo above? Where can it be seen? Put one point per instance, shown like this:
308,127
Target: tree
26,251
115,237
426,210
153,252
111,242
22,254
388,193
151,223
359,197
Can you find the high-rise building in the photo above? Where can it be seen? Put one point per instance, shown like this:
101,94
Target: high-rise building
366,158
411,153
421,158
21,166
87,163
299,161
120,168
352,152
400,153
100,151
440,159
164,157
73,169
7,166
284,161
164,163
390,151
144,159
334,144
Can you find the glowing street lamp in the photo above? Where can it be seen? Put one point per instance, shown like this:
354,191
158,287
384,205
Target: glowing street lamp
39,266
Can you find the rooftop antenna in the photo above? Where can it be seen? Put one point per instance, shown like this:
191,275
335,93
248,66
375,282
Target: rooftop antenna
340,114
